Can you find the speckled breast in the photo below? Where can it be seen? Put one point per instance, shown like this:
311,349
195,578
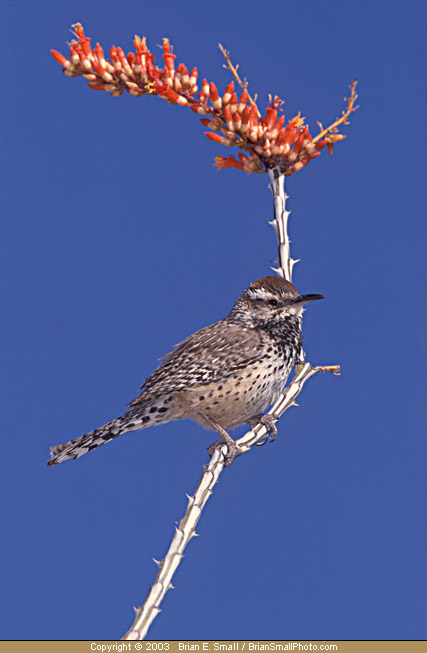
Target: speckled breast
240,397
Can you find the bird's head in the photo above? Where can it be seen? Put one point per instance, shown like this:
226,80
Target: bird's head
269,300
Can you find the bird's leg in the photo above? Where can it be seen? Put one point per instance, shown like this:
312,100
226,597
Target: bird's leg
233,450
269,421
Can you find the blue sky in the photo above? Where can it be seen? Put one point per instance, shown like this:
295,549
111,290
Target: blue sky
119,239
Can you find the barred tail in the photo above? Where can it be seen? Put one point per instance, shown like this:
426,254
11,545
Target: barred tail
130,421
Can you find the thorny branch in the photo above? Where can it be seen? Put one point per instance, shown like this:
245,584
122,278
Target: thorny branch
280,225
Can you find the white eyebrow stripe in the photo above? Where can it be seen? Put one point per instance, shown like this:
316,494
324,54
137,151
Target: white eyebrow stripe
260,293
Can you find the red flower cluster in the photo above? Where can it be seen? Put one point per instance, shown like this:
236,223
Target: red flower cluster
233,121
271,145
135,73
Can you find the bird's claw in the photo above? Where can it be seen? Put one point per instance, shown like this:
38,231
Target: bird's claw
233,450
269,421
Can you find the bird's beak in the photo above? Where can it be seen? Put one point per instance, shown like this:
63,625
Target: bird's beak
304,299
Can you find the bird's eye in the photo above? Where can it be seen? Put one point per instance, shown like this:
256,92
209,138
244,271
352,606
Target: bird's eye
273,302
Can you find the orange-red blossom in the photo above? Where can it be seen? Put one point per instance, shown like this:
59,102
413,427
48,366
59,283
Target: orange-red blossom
233,121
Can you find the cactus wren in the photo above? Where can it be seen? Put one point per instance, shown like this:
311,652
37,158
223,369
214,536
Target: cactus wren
221,376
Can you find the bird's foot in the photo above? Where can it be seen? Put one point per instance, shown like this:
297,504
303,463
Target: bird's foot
233,450
269,421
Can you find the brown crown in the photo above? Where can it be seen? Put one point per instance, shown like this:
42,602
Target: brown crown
275,285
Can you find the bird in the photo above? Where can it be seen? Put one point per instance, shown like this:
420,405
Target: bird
223,375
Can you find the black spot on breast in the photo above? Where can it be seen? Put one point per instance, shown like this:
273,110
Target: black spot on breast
163,409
